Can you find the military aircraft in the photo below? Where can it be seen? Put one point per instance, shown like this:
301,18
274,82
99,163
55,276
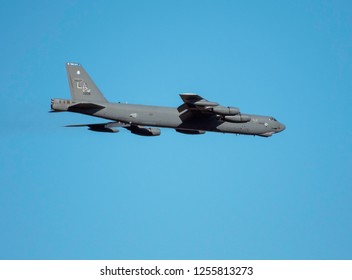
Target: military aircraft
195,116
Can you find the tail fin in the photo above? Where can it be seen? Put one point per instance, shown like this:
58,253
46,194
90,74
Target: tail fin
82,87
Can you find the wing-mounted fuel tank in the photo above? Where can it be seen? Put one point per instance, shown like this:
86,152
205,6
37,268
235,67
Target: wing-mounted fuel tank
99,127
188,131
144,131
239,118
224,111
102,128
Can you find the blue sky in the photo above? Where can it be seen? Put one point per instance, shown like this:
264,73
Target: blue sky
75,194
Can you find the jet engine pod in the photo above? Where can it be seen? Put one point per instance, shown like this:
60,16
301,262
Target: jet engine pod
225,111
144,131
240,118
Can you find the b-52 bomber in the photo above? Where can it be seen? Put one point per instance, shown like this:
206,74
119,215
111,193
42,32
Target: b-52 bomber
195,116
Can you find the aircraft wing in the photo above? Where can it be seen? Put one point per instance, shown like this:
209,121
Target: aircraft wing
195,106
101,127
111,127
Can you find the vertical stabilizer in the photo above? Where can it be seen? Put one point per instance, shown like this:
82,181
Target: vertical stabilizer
82,87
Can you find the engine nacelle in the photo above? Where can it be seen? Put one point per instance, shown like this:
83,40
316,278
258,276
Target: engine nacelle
240,118
145,131
225,111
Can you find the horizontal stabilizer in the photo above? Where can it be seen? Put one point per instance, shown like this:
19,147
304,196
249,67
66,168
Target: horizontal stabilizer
87,106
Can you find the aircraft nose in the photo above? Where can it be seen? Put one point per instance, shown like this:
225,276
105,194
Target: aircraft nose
282,127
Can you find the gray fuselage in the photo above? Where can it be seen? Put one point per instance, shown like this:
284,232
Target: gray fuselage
170,117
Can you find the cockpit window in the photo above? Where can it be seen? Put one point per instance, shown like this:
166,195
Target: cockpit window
272,119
